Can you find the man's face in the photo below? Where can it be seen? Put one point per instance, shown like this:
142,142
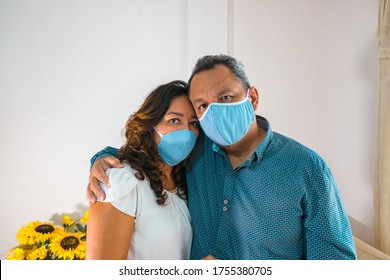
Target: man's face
216,85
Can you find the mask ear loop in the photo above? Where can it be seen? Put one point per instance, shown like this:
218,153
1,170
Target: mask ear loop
158,132
247,93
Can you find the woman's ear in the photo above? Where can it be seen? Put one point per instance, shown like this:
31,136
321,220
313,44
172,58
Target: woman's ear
254,97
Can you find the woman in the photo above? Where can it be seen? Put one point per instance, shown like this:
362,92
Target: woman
144,215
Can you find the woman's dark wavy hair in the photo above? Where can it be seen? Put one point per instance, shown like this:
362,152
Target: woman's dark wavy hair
140,150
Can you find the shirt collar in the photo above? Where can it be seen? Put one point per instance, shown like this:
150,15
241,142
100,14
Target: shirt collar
261,149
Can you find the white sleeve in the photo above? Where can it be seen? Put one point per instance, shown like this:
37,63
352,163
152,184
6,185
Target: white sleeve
123,192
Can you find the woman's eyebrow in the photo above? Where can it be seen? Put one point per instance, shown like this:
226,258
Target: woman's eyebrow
175,113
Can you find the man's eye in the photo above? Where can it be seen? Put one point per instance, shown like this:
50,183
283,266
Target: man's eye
225,98
195,123
202,106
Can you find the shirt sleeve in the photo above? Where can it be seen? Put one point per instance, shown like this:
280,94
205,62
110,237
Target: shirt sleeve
328,234
123,193
107,151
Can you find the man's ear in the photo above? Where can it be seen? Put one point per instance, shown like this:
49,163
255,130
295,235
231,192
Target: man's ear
254,97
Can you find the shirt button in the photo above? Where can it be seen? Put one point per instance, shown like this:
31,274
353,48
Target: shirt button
224,208
225,201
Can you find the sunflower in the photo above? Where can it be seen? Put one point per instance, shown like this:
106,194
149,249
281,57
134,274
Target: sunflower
68,246
36,233
15,254
40,253
48,241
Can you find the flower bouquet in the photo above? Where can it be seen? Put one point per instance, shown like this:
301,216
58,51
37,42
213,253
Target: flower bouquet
47,241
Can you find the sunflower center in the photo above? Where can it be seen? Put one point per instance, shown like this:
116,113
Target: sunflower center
70,243
44,228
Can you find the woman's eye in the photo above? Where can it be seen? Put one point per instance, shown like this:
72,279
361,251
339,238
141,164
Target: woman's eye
174,120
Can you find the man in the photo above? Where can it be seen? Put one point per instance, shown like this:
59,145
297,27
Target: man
252,193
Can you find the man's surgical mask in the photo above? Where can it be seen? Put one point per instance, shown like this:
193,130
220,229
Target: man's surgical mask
227,123
175,146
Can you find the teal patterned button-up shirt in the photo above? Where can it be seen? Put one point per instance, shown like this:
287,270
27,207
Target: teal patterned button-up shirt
283,203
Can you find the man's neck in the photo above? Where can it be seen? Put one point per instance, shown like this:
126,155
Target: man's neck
242,150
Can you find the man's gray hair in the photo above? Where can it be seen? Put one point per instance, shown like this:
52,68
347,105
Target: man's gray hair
210,61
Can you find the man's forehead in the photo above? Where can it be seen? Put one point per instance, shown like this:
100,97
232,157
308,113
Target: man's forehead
212,83
197,94
217,74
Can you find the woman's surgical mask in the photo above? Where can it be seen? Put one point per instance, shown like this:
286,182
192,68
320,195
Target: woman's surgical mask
227,123
175,146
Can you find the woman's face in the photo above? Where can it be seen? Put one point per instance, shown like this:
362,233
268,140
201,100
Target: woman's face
179,116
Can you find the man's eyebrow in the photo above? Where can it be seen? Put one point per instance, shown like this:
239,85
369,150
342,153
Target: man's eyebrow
198,100
221,92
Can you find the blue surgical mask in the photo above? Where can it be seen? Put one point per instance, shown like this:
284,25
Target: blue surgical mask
227,123
175,146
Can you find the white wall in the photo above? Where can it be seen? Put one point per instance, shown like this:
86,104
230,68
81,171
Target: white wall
72,71
315,64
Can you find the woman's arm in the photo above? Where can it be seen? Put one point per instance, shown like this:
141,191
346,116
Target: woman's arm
109,232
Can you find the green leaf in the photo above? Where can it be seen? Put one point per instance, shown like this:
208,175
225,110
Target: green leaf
80,228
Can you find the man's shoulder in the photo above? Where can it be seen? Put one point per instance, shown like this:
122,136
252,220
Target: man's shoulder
293,147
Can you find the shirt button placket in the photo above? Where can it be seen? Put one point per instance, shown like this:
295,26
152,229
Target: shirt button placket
225,207
223,239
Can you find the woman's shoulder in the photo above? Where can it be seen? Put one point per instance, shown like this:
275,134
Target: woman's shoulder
120,174
122,182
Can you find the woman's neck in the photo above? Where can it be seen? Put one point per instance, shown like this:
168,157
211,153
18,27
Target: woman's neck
167,177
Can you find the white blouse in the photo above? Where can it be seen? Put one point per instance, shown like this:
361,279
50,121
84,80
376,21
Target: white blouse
160,232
